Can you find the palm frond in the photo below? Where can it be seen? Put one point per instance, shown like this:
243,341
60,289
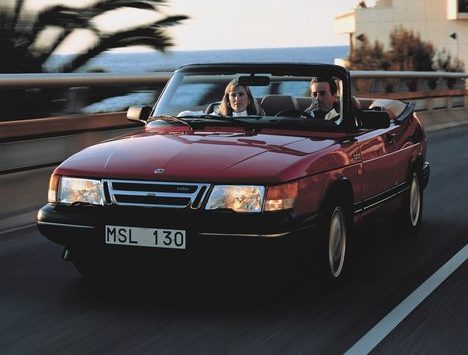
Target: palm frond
18,40
156,39
59,16
170,21
108,5
45,54
16,13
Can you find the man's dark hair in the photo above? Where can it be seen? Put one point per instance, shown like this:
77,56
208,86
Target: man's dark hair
330,81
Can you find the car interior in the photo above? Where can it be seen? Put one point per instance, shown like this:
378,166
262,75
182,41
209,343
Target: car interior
273,103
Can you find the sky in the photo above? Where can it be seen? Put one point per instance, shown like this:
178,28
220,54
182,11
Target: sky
222,24
259,23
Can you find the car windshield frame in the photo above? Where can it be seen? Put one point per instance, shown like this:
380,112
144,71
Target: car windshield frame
277,71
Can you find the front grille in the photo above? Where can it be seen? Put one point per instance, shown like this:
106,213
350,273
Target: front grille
154,194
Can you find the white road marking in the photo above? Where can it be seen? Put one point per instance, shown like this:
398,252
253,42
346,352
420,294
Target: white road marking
16,229
391,320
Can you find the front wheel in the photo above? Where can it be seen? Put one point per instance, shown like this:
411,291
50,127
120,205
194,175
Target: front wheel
410,214
337,241
333,230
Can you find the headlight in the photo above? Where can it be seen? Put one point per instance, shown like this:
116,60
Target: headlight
71,190
239,198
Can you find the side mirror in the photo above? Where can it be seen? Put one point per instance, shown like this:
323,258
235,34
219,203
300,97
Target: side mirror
138,113
372,119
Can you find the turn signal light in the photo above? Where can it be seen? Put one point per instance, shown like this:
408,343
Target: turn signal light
281,197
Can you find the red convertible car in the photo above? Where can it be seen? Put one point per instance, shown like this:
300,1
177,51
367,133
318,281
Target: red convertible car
196,176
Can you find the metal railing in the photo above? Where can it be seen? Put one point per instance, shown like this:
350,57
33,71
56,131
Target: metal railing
405,85
95,79
406,74
427,90
80,79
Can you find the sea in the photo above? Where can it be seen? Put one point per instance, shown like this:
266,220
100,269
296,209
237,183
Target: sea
143,62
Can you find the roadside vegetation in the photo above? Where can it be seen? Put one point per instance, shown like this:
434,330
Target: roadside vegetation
406,52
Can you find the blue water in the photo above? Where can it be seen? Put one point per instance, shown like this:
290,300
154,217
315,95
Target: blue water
120,62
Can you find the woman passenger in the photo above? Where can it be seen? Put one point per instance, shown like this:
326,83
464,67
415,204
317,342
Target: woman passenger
238,101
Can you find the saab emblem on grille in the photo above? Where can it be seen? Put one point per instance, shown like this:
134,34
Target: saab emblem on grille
159,170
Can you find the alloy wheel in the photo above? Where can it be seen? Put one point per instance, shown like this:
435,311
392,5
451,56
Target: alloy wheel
415,201
337,241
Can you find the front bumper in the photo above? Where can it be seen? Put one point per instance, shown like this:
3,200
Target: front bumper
71,225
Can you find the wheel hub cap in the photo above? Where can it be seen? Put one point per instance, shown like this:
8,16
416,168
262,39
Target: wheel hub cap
337,242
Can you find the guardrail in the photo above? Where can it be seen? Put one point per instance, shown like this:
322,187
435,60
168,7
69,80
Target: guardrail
66,124
424,88
428,90
105,79
40,142
80,79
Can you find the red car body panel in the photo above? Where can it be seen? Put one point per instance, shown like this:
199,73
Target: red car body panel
225,156
369,161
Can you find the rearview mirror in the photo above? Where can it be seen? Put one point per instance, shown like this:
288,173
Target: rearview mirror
254,80
371,119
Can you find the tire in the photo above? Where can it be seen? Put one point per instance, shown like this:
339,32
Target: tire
334,230
408,219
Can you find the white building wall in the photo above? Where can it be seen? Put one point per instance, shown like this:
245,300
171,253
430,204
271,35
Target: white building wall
428,18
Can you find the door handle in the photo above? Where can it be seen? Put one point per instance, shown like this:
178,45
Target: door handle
348,142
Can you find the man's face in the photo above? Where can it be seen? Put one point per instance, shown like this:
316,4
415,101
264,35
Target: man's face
321,92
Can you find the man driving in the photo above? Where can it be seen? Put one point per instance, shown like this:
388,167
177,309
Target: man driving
324,94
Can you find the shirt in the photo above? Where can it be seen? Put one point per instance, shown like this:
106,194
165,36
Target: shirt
240,114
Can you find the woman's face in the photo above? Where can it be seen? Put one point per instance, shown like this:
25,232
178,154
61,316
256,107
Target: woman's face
238,99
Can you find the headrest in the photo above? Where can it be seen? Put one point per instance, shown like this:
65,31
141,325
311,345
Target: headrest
393,107
272,104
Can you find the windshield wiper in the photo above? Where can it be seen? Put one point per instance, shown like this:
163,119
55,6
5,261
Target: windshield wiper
171,119
198,121
210,116
303,123
239,119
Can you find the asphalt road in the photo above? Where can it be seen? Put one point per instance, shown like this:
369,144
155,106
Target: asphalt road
47,308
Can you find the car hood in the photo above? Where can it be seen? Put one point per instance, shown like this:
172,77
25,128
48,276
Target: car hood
215,156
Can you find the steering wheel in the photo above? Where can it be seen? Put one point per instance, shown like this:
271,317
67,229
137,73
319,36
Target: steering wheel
211,107
292,112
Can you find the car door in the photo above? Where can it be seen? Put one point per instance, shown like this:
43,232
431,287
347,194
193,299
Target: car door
383,162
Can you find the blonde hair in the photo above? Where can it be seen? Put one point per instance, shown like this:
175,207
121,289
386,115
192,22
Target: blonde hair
225,109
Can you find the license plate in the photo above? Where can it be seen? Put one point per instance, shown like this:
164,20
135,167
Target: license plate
145,237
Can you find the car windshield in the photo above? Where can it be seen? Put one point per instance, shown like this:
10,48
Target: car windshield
279,99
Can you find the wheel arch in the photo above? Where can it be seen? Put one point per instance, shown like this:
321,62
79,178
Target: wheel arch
343,190
416,165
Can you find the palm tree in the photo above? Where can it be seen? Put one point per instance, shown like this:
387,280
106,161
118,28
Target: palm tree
16,58
20,29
